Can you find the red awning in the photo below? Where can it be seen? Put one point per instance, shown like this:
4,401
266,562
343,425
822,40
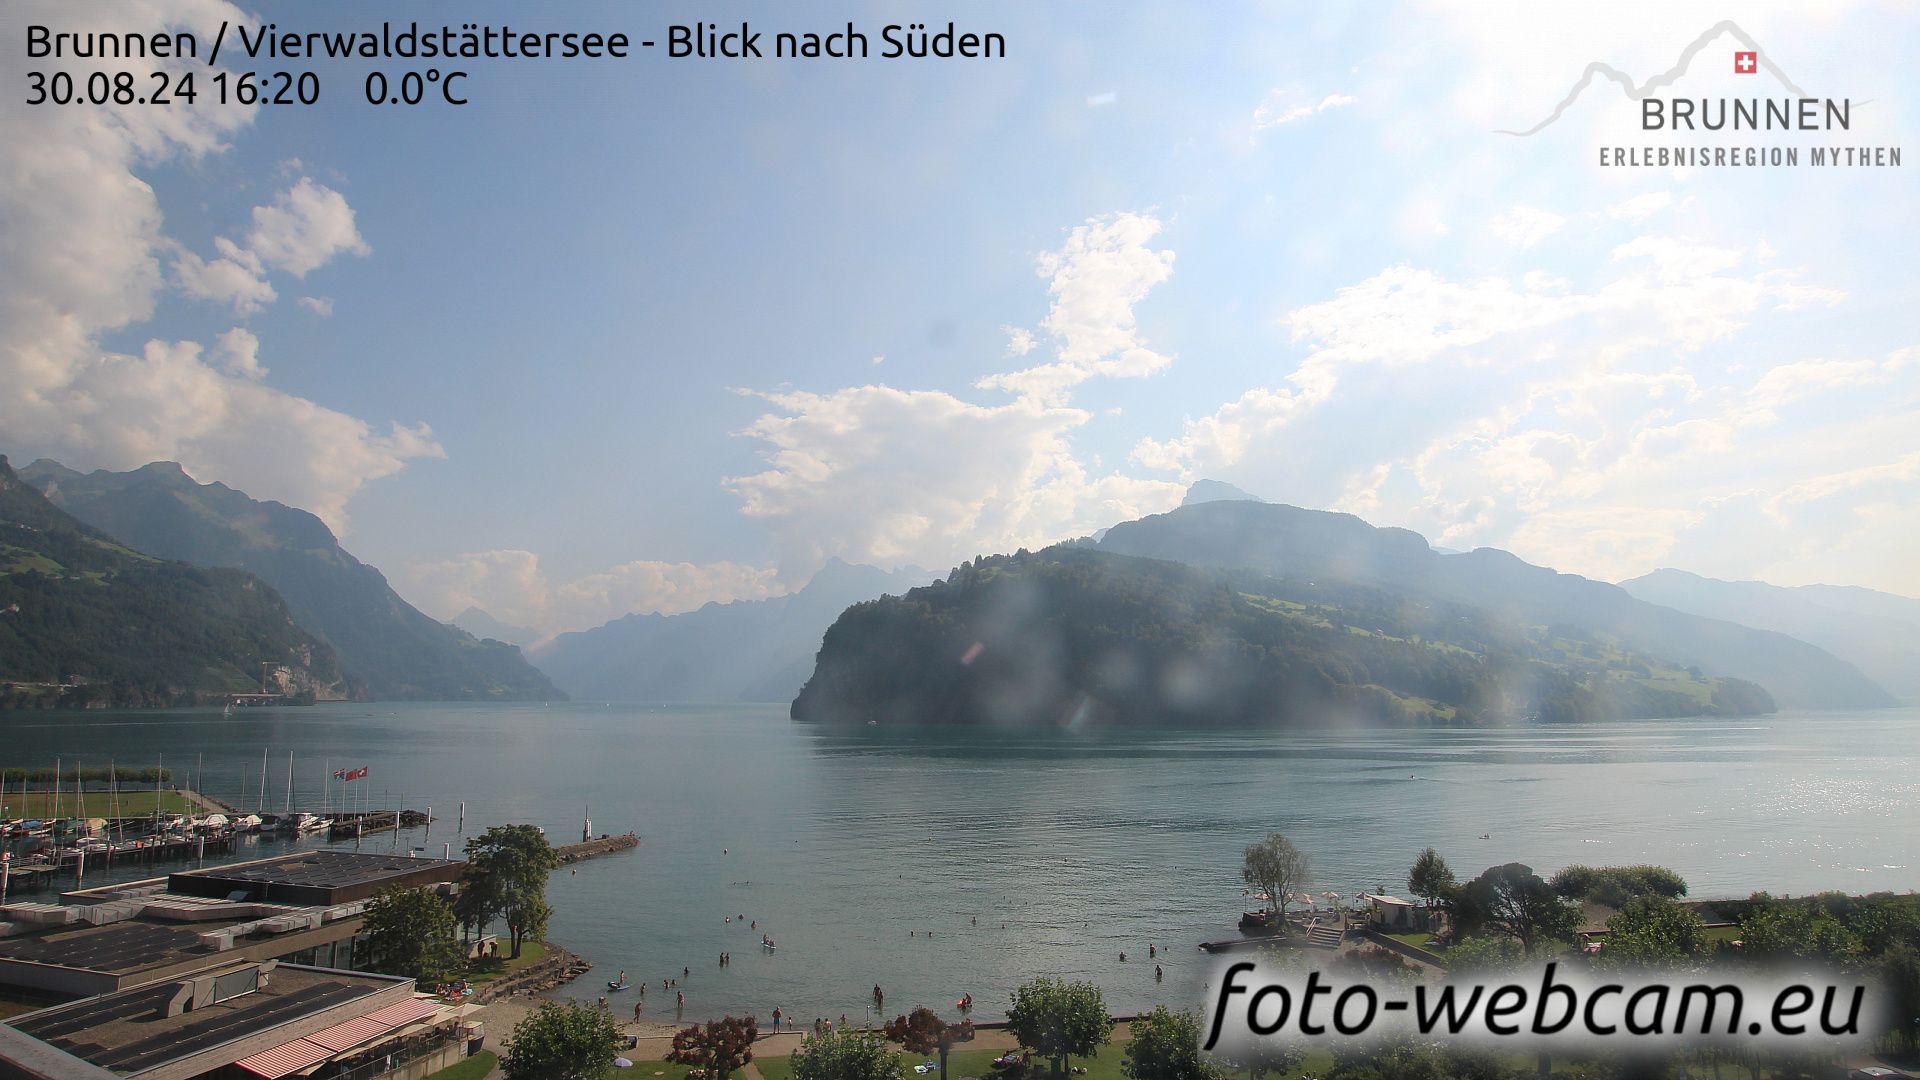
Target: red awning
350,1034
281,1060
404,1012
321,1045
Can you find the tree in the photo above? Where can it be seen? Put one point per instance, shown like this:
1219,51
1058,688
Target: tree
411,933
562,1042
1653,930
1614,886
846,1055
1166,1046
923,1032
718,1046
507,867
1055,1019
1430,877
1277,868
1513,900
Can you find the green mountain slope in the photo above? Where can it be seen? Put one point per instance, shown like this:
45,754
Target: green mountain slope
1310,545
85,621
388,648
1073,635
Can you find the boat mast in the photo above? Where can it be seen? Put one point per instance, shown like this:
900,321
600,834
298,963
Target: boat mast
263,781
289,782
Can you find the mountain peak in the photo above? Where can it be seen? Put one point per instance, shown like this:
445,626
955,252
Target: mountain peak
1205,491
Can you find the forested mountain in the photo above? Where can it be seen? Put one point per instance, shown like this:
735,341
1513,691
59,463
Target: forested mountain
387,648
86,621
1877,632
1073,635
1310,545
748,650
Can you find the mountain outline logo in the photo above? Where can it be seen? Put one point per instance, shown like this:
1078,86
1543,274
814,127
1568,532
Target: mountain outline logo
1753,56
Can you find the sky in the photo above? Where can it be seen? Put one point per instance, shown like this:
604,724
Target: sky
634,335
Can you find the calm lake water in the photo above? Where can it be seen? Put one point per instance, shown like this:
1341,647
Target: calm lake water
942,862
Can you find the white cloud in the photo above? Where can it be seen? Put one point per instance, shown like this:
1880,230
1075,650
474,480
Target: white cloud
1525,226
235,277
307,225
511,585
876,474
1102,99
1282,107
319,305
1096,277
81,257
1020,341
1641,207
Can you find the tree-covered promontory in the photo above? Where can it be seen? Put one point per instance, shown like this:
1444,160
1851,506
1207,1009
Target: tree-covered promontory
1073,636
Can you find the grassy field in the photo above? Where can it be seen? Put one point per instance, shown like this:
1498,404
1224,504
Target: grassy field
531,952
961,1063
473,1068
39,804
663,1070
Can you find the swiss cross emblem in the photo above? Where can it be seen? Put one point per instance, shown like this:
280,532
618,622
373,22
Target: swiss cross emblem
1746,63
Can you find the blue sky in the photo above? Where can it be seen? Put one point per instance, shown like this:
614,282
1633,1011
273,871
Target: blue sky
633,335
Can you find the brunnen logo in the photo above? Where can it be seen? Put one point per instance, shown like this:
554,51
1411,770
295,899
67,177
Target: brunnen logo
1674,116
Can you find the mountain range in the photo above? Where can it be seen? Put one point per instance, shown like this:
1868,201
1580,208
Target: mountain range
1314,545
747,650
1074,635
1879,632
87,621
387,648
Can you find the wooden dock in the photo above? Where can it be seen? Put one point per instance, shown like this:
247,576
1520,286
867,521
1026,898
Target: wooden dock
593,849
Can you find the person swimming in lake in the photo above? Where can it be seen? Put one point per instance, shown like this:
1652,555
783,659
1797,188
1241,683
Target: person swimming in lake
1157,976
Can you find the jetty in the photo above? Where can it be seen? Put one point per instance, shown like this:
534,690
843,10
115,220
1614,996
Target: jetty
593,849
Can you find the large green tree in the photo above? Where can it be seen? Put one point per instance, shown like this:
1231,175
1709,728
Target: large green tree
923,1032
1166,1046
1430,878
1275,867
507,868
719,1046
562,1042
1055,1019
845,1055
411,932
1514,901
1653,930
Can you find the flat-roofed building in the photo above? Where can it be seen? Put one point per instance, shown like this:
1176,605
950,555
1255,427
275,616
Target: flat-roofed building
306,907
237,1020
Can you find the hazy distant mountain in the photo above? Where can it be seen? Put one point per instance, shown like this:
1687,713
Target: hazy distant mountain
388,648
1286,541
1877,632
1072,637
1205,491
123,628
482,625
748,650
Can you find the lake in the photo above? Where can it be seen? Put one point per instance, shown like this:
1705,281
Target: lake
941,862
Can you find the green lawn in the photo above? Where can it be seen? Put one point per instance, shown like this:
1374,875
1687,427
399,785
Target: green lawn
473,1068
487,970
39,804
662,1070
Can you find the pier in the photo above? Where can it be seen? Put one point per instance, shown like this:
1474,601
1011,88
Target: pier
593,849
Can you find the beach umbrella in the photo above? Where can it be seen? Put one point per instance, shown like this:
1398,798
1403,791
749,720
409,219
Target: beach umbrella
622,1063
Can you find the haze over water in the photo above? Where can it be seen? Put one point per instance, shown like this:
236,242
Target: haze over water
1066,848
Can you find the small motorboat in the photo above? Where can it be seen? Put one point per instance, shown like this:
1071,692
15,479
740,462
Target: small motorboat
611,985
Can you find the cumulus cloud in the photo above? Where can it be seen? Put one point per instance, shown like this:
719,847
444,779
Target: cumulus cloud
1282,107
890,476
82,257
319,305
307,225
1525,226
511,585
1096,278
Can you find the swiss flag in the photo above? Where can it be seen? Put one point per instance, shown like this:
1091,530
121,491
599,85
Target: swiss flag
1746,63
